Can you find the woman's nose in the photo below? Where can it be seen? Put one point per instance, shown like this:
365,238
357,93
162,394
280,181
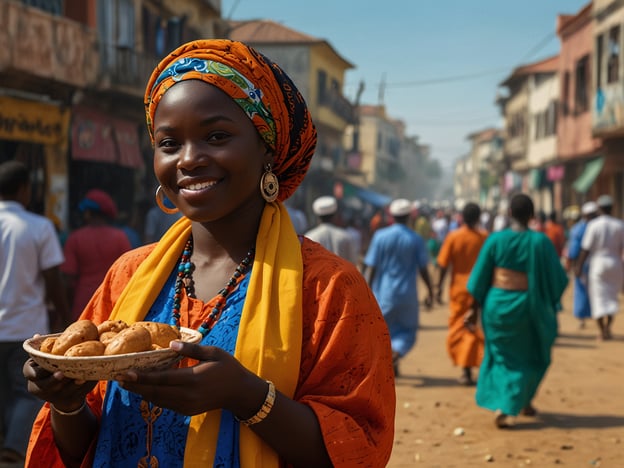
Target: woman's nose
192,155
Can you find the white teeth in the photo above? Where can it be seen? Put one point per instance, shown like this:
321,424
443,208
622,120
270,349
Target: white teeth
200,186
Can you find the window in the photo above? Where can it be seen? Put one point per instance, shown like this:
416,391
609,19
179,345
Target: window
565,93
599,62
322,85
613,62
581,85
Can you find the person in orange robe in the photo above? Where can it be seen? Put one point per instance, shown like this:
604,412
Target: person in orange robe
460,250
555,232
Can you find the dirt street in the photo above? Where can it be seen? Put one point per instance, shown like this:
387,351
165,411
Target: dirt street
580,421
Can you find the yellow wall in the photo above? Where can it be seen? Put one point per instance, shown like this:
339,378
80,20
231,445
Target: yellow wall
322,57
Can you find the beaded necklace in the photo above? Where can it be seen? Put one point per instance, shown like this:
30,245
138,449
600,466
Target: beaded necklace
184,279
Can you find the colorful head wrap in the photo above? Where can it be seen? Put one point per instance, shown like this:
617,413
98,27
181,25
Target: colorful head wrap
266,94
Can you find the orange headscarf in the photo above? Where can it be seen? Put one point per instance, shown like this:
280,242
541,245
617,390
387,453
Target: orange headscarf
259,86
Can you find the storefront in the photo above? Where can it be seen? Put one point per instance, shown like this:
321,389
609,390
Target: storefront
105,154
35,132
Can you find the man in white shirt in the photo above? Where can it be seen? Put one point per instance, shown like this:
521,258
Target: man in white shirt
603,243
30,256
330,236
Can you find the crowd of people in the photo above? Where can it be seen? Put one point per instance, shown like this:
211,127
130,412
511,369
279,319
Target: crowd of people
304,323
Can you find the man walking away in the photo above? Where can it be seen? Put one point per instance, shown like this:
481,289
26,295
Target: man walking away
328,234
581,307
603,242
395,255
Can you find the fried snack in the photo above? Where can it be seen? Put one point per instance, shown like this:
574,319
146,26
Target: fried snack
161,333
87,348
47,344
130,340
111,326
77,332
107,337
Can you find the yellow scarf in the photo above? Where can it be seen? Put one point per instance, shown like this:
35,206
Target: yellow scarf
270,330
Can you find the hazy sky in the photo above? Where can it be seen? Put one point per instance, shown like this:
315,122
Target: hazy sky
421,49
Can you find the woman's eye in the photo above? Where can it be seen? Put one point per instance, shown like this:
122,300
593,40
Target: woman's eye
217,136
167,143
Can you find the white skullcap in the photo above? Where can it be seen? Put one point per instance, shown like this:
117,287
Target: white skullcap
324,206
589,208
604,200
400,207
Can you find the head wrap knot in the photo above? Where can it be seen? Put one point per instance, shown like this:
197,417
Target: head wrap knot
265,93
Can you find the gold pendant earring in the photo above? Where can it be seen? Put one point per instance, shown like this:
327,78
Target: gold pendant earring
160,201
269,185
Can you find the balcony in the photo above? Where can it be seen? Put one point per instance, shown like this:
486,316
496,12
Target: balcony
338,105
124,69
36,43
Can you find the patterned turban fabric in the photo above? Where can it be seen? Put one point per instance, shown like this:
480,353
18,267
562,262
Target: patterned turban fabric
265,93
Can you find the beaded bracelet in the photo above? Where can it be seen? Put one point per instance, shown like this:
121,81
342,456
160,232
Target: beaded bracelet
265,409
70,413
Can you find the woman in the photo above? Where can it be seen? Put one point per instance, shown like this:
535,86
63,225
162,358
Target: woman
295,365
518,280
464,341
92,249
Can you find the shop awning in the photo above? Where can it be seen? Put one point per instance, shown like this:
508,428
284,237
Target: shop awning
376,199
587,178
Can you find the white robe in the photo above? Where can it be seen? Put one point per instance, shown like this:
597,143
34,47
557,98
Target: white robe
604,240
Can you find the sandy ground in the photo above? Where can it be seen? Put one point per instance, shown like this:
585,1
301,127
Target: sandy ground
580,403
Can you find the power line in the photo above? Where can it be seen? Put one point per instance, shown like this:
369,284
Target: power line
446,79
479,74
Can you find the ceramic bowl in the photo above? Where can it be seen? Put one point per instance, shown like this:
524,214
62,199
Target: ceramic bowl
106,367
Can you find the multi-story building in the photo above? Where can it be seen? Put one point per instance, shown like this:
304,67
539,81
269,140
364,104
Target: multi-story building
530,112
608,97
580,153
482,170
72,78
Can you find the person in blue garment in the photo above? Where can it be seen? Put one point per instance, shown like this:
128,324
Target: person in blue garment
581,308
518,280
394,258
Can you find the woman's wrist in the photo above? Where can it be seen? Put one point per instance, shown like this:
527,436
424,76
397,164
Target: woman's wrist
265,409
69,412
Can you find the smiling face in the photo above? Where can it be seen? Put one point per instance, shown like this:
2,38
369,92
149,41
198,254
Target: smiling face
208,155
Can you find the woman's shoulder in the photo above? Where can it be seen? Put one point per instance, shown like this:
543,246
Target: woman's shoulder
322,265
129,261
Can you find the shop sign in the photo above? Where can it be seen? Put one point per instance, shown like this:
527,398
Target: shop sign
97,136
31,121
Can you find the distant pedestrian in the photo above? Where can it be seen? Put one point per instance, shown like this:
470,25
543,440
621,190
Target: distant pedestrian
518,280
555,232
92,249
603,243
581,306
159,219
394,258
464,342
30,255
328,234
440,226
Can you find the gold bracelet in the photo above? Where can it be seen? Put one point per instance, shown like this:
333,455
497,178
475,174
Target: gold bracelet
265,409
69,413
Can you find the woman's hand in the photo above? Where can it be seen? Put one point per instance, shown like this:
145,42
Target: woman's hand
218,381
65,394
470,319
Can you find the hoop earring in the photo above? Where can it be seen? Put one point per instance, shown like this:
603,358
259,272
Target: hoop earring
269,185
160,201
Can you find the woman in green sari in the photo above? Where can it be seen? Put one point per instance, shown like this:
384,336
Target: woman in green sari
518,280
